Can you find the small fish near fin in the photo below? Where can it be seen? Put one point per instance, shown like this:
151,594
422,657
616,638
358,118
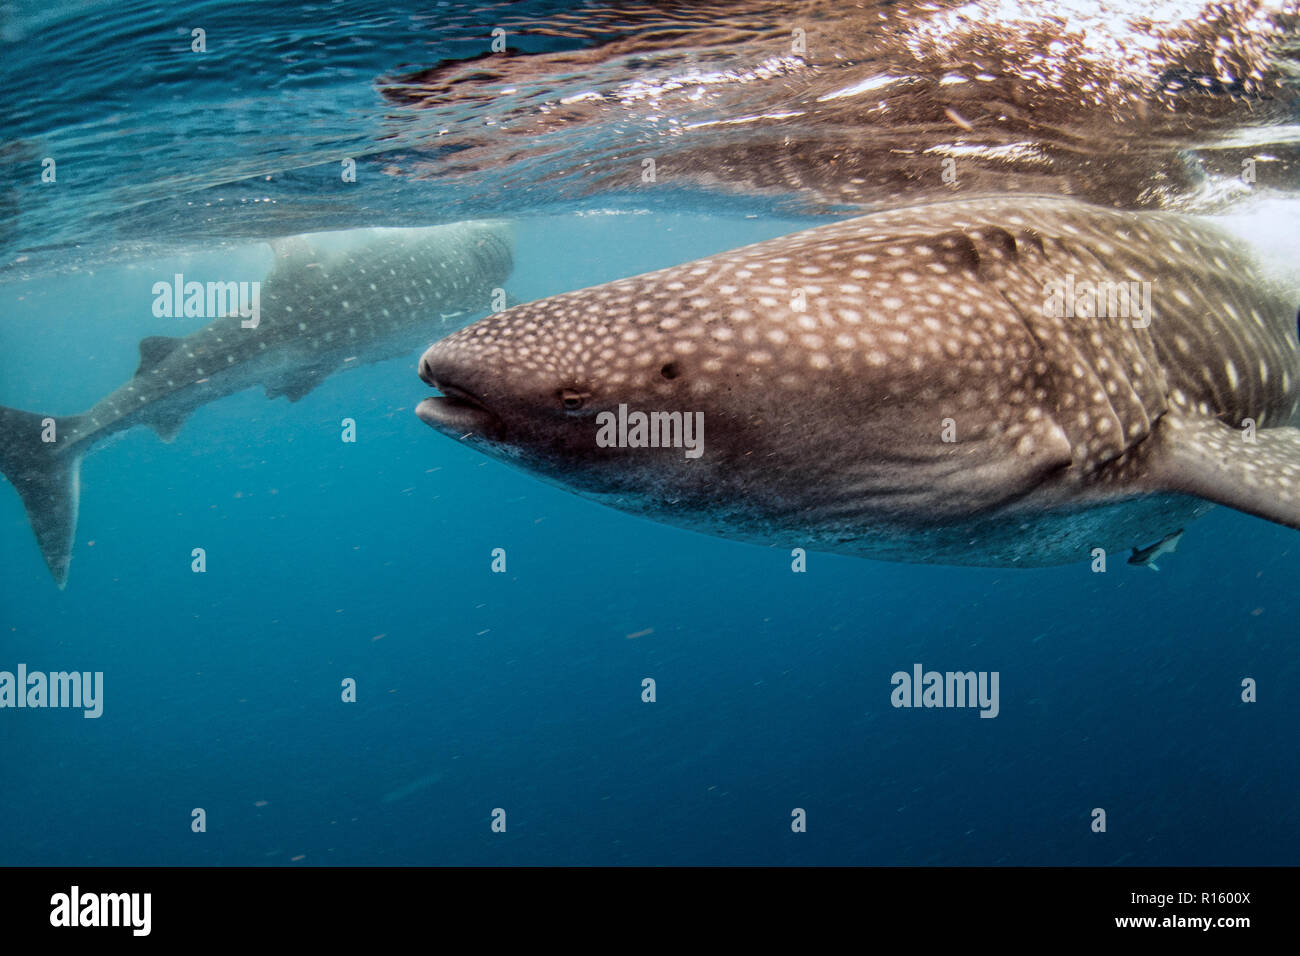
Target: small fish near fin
294,385
153,349
47,479
1214,461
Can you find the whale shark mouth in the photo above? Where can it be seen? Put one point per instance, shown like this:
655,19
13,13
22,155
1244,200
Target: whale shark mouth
458,413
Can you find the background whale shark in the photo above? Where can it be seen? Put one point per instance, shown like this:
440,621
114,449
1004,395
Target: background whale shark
907,385
1169,700
327,305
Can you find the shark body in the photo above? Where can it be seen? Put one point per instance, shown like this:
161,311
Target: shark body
910,386
378,295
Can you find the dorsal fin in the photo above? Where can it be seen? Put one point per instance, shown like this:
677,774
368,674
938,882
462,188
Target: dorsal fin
292,251
153,349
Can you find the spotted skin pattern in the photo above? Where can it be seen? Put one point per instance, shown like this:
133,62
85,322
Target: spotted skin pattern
371,295
831,365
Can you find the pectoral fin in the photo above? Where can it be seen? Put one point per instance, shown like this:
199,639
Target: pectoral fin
167,426
294,386
1256,473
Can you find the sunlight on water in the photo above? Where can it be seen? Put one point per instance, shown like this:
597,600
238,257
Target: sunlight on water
651,646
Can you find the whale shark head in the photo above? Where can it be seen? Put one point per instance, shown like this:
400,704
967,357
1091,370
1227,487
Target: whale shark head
900,384
604,408
673,395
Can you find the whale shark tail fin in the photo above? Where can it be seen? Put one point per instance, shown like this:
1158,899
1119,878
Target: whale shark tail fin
45,469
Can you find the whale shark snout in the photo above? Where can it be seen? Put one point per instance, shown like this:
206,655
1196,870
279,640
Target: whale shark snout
908,385
458,412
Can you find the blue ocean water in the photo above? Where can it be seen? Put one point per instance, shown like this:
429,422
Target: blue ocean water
523,691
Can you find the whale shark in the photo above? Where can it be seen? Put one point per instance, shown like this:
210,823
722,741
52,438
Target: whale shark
1011,381
332,301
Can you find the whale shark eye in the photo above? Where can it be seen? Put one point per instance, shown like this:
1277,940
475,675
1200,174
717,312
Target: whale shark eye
572,399
670,370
